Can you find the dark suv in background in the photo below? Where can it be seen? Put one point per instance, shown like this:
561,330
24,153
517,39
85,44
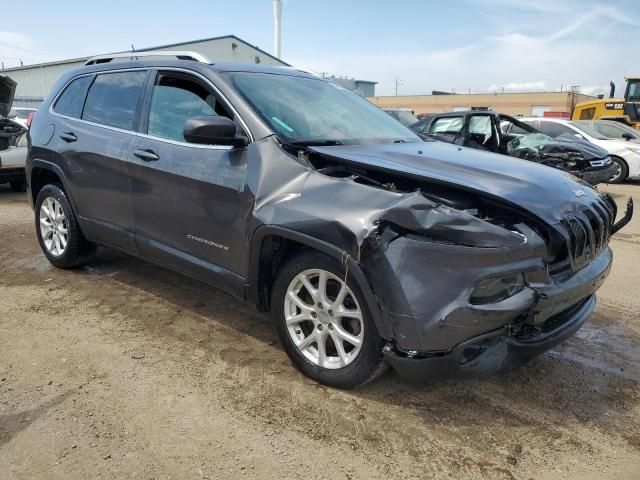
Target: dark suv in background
367,243
500,133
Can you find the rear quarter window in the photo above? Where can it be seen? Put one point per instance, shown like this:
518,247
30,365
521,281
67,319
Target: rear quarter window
113,99
72,99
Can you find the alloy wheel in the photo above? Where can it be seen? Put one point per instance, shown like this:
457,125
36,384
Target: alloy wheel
53,226
323,319
616,172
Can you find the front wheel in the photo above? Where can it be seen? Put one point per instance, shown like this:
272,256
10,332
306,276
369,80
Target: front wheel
620,171
324,323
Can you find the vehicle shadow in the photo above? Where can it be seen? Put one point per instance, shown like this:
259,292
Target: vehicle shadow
556,383
7,193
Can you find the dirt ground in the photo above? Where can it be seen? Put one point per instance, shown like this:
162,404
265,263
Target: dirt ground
126,370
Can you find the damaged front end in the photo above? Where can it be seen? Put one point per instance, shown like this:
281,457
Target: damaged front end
467,282
577,157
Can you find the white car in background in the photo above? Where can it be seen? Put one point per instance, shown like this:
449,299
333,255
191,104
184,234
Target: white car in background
624,154
13,140
613,129
21,115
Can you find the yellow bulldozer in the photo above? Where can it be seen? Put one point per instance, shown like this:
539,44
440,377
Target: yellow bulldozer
625,110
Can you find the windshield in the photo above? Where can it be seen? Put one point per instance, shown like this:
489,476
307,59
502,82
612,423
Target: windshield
586,128
615,130
633,91
312,111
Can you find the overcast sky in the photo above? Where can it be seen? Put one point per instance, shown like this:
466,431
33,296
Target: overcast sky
482,45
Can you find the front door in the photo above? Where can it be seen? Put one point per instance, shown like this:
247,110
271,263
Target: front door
188,200
482,133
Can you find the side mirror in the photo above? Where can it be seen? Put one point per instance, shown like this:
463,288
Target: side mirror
212,130
627,136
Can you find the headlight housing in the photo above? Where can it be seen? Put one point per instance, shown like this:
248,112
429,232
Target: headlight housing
495,289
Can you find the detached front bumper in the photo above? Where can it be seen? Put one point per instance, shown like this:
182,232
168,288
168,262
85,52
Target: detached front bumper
438,333
599,175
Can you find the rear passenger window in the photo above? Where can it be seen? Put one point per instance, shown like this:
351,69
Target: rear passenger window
113,98
177,98
71,101
451,125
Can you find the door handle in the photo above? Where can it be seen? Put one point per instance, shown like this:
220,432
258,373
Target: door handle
146,155
68,137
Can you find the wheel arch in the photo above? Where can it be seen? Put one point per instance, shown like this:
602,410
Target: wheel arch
43,173
271,245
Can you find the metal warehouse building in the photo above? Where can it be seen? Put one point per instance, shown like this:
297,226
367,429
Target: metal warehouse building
35,81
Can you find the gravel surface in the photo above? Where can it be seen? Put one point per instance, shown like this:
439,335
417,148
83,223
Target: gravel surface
126,370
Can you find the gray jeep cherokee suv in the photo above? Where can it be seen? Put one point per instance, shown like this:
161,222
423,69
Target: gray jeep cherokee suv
368,245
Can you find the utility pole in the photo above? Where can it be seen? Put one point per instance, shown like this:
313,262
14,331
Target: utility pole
398,83
277,15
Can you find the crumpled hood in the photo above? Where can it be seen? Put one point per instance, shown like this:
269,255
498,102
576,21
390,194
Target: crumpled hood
7,91
589,150
548,193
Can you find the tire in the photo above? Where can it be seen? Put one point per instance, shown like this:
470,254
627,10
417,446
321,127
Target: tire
622,170
359,358
53,210
18,186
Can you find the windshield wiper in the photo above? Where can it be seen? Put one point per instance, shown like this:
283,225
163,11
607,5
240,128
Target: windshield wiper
315,143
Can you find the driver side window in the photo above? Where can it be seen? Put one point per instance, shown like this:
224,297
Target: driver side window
175,99
480,124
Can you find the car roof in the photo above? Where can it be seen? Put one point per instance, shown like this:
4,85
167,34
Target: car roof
464,112
259,68
564,121
219,67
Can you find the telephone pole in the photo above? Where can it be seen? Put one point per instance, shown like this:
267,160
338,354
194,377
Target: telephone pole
398,83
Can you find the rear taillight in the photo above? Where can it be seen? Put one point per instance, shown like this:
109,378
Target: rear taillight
30,119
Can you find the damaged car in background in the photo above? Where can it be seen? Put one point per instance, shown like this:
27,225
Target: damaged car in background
499,133
13,141
368,244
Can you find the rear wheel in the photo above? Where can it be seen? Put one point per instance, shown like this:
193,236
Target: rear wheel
18,186
57,229
324,324
620,171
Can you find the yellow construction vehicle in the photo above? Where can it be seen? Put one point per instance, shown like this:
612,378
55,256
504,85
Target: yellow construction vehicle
625,110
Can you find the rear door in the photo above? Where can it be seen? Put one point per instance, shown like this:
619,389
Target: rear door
188,200
96,119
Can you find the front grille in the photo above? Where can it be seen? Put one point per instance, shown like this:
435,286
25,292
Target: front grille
587,233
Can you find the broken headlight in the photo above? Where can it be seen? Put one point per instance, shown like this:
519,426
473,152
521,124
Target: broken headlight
495,289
